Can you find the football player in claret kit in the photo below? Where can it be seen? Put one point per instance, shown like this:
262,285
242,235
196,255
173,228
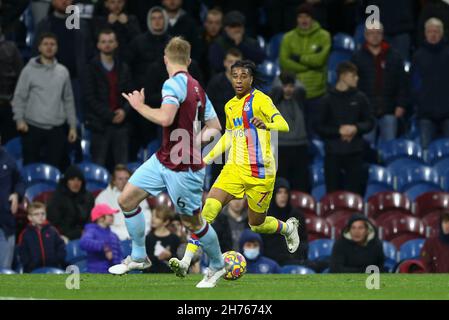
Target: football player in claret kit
177,166
250,168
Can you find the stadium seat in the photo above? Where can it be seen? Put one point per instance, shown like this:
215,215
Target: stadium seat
388,202
411,176
327,270
161,199
441,166
132,166
343,42
397,165
398,229
94,174
379,175
262,42
268,71
74,252
82,265
445,180
6,271
320,249
432,223
34,191
390,254
420,189
411,249
153,146
399,148
317,150
274,46
95,187
430,202
48,270
14,148
359,35
337,201
317,228
317,174
85,148
303,201
318,192
295,269
126,246
41,173
438,150
373,188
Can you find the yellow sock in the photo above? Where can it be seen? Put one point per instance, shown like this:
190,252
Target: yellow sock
270,225
211,209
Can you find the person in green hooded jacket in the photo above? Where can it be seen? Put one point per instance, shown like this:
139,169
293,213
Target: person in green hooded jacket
305,51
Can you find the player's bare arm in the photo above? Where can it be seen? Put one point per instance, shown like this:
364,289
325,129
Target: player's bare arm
278,123
162,116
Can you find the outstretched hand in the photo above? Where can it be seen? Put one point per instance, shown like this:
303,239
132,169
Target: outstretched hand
135,99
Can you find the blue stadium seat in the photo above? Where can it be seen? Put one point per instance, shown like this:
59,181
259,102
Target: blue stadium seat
132,166
317,174
269,71
327,270
390,254
318,192
445,179
397,165
85,148
359,35
295,269
274,46
82,265
153,146
343,42
126,246
335,58
410,176
373,188
317,150
411,249
48,270
6,271
419,189
41,172
95,173
74,252
441,166
320,249
438,150
36,189
380,175
14,148
399,148
95,187
262,42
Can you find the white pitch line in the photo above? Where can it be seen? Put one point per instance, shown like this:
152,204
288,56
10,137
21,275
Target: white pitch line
19,298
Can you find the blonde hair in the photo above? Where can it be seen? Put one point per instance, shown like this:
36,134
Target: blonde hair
178,51
434,22
35,205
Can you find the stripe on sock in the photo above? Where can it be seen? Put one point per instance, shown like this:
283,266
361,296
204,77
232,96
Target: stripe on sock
132,213
203,231
279,229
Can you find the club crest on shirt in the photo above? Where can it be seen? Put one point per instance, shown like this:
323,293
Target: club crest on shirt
246,107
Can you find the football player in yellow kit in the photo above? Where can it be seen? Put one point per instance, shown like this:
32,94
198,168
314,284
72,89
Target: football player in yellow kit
250,168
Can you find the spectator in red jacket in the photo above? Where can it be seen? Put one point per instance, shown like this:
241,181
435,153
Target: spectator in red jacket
40,244
435,252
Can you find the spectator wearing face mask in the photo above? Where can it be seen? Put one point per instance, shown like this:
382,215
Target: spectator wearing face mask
251,246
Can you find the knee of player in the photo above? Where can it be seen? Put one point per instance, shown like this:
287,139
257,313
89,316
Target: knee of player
124,203
255,227
211,209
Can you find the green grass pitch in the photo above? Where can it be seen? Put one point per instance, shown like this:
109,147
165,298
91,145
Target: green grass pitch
249,287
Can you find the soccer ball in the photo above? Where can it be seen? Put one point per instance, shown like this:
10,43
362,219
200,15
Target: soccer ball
235,265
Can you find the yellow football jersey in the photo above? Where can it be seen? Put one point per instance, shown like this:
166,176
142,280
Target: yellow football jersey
250,150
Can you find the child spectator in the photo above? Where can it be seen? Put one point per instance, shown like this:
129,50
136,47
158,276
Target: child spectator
101,244
251,245
161,243
40,244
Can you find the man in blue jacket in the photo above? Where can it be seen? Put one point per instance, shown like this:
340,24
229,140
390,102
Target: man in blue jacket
251,245
12,189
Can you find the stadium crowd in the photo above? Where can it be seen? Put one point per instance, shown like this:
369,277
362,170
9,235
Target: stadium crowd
365,166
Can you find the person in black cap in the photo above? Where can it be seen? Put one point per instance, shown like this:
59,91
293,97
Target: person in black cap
358,247
69,207
234,37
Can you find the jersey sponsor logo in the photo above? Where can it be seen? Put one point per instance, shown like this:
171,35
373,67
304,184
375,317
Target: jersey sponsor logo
237,121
